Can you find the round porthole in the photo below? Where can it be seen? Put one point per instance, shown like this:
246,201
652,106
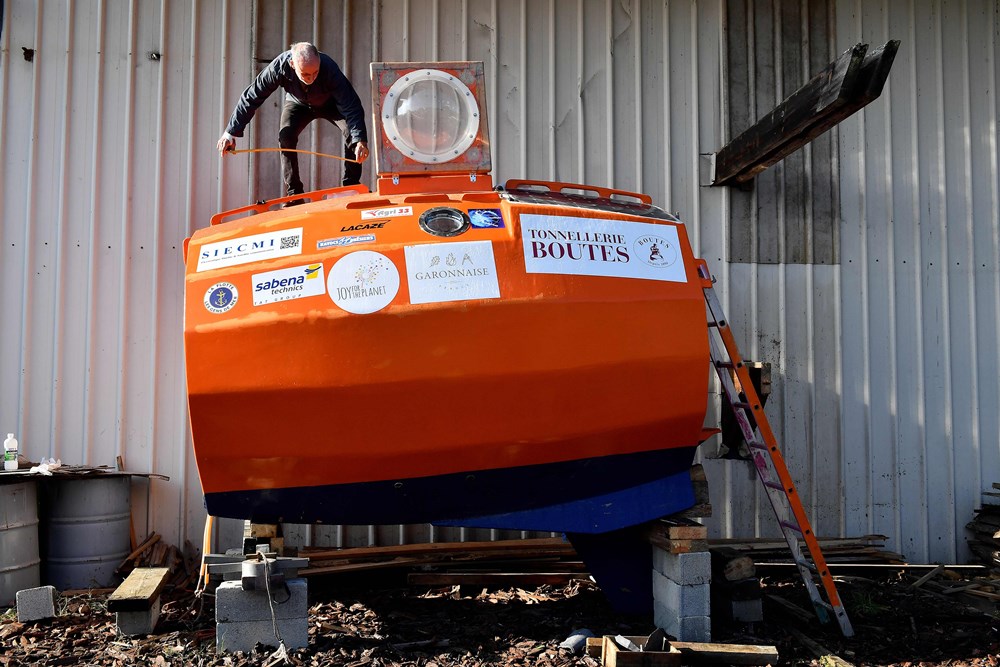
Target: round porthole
430,116
444,221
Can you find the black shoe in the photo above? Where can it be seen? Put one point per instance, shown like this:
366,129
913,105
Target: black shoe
294,202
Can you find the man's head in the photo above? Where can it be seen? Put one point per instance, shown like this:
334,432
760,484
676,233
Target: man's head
305,61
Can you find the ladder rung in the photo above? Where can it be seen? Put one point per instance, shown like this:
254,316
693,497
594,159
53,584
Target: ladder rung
789,524
725,364
756,445
745,406
774,485
823,603
806,564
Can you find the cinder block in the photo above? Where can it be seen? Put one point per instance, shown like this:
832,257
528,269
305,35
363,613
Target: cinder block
133,623
685,569
684,628
691,600
244,635
233,604
34,604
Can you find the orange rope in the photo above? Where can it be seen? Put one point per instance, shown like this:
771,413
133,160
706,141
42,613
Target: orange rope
290,150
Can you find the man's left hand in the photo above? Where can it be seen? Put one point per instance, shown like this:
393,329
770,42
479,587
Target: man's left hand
361,151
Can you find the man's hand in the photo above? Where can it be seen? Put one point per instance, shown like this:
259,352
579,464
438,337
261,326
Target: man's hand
227,142
361,151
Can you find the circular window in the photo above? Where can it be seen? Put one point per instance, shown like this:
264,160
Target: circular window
444,221
430,116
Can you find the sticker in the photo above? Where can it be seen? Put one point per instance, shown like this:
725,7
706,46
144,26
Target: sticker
345,241
286,284
451,272
250,249
380,213
486,218
363,226
363,282
221,297
599,247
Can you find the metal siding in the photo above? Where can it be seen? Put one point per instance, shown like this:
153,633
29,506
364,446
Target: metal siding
105,175
789,214
919,269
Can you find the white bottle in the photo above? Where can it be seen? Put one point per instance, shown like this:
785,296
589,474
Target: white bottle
10,452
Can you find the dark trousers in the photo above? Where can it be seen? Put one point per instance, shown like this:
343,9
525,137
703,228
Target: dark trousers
294,118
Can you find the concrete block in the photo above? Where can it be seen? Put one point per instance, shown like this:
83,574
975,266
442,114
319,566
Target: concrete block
685,569
233,604
34,604
691,600
244,635
684,628
133,623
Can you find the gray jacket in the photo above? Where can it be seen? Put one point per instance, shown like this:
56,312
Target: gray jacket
330,89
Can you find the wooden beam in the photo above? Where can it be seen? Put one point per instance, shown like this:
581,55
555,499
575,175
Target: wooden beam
853,80
504,579
139,590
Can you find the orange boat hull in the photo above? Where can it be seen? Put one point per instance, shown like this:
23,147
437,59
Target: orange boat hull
548,372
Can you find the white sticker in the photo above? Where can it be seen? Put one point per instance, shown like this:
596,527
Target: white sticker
363,282
345,241
285,284
598,247
253,248
451,272
381,213
221,297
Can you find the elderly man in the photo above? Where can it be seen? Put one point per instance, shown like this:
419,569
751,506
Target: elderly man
314,88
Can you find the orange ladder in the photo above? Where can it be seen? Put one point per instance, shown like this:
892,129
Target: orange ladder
769,462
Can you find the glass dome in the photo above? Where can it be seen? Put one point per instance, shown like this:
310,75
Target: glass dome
430,116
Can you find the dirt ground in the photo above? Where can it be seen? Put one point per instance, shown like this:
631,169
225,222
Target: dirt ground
378,620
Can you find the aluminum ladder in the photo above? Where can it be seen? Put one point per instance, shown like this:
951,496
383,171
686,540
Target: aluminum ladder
768,461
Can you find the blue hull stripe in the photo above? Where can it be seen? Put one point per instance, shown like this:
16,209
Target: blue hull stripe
586,496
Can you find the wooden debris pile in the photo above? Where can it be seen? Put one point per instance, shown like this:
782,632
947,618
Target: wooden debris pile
154,552
836,550
977,582
985,528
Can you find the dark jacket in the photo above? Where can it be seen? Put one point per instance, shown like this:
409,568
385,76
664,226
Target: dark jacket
330,89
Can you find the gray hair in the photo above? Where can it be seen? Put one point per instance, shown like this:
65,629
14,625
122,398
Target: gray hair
303,52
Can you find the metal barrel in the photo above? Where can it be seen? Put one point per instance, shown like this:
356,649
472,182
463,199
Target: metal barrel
86,531
18,539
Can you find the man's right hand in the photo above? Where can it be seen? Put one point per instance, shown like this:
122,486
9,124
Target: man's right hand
227,142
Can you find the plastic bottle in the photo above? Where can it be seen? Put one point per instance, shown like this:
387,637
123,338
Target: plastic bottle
10,452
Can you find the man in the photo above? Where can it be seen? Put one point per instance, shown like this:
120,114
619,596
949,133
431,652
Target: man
314,88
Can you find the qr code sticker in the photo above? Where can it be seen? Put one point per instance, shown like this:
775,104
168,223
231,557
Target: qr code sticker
289,242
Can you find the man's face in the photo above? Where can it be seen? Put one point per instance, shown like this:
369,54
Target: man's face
306,69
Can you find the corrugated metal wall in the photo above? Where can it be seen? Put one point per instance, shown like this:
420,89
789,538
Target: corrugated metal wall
884,348
109,112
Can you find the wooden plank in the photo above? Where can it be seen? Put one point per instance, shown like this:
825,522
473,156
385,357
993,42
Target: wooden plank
679,546
677,529
549,544
139,589
830,89
148,542
807,113
727,654
927,577
492,578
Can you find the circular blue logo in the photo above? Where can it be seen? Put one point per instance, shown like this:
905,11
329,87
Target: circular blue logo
221,297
